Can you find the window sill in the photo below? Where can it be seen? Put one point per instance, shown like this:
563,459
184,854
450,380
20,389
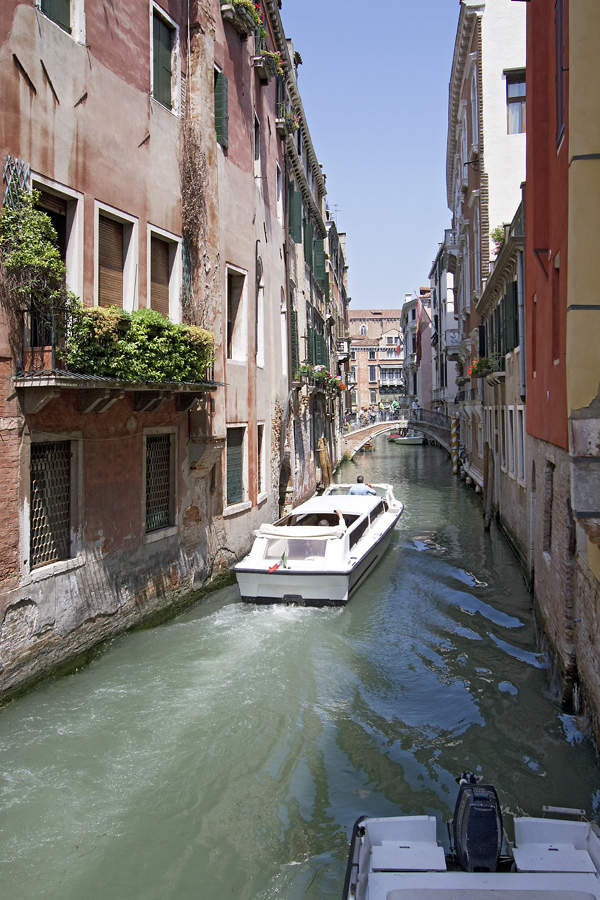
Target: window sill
152,536
261,498
56,568
236,508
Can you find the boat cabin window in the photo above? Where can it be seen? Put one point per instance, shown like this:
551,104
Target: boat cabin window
358,531
378,511
295,548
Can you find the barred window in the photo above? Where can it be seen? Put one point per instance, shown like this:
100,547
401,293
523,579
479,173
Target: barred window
159,481
50,499
235,465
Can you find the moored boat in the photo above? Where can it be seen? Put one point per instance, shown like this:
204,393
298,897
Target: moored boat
411,437
321,552
400,857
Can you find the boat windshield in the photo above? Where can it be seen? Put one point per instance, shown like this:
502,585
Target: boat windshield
295,548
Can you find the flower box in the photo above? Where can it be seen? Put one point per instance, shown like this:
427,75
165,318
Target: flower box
240,17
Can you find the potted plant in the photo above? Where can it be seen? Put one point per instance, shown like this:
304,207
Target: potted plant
482,366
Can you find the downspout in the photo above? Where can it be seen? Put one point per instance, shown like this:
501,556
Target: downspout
521,292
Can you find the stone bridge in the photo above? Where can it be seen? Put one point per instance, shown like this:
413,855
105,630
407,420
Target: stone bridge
435,426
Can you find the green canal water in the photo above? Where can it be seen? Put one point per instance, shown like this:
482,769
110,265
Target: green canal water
227,753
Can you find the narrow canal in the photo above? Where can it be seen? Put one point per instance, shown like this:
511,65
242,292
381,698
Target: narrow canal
227,753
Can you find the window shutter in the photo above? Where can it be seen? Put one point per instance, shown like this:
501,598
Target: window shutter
110,262
320,262
295,213
59,11
235,465
308,243
310,350
481,340
221,109
162,39
294,342
159,276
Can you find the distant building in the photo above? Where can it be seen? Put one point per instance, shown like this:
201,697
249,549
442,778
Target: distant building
376,357
417,334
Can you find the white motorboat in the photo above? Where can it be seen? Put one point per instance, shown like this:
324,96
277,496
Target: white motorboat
400,858
321,552
411,437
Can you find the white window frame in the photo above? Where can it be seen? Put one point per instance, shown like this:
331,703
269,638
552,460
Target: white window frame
279,192
77,17
245,503
130,252
175,269
261,468
510,420
75,213
240,334
175,60
150,537
77,557
521,445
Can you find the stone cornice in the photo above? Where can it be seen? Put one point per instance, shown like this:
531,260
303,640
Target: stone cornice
470,11
504,270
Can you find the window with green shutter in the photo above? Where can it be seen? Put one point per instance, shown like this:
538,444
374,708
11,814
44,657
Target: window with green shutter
162,47
235,465
59,11
295,213
308,243
221,109
295,347
319,262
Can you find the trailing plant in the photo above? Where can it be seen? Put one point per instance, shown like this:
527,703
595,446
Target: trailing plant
498,235
276,58
321,376
34,273
141,346
252,8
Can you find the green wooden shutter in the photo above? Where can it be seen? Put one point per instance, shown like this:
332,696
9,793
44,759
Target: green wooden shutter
235,465
509,317
308,244
320,262
59,11
295,213
162,38
310,350
221,109
295,348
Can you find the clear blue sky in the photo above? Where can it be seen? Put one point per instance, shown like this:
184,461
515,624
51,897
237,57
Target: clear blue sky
374,85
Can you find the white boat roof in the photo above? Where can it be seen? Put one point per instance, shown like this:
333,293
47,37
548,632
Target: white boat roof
357,504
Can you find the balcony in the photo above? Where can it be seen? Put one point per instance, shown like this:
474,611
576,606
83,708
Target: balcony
102,354
241,17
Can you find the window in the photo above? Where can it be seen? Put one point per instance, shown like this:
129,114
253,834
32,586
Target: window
390,340
116,259
260,477
520,443
371,354
279,188
515,101
511,441
503,438
256,145
353,355
59,11
221,109
165,59
65,211
160,481
372,373
373,396
363,329
110,262
236,328
50,503
164,274
235,465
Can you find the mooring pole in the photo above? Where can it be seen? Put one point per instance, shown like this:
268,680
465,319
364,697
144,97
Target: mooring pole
454,443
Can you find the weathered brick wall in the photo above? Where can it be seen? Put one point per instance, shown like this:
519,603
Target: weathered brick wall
11,424
554,550
587,640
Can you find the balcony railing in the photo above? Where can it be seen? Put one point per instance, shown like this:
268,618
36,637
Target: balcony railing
52,346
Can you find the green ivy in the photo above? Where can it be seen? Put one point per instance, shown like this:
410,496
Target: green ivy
136,347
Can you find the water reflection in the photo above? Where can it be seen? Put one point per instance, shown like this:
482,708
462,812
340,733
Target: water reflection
228,753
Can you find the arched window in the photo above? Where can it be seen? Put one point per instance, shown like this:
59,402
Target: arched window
363,329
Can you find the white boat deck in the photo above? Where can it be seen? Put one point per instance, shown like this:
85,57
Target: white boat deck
400,859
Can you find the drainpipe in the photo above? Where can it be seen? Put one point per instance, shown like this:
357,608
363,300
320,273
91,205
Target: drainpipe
520,286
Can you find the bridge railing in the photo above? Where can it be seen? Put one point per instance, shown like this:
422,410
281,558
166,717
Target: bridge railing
427,416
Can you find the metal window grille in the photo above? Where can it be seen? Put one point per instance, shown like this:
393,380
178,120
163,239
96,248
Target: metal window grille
17,175
50,518
158,482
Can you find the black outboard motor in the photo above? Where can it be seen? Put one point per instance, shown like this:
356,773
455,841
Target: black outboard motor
477,827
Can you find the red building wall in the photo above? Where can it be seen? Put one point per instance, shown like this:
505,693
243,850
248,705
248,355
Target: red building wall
546,233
